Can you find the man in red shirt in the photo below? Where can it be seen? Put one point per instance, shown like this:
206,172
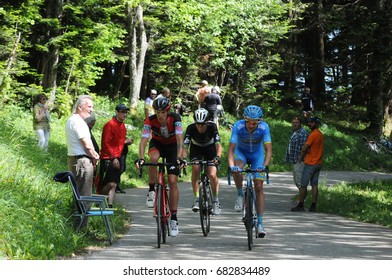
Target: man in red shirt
312,152
112,144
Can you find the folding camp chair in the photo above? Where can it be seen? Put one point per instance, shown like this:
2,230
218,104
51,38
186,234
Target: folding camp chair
83,204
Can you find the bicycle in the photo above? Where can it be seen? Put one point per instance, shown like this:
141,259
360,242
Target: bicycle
382,146
205,195
161,202
249,215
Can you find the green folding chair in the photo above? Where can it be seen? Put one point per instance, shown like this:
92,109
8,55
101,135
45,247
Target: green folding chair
83,203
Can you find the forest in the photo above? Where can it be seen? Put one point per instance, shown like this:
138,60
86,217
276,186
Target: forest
256,51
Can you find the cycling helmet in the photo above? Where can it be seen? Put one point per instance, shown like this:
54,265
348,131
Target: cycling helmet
314,119
161,104
200,115
253,112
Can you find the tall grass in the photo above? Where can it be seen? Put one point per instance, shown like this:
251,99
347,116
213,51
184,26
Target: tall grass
35,217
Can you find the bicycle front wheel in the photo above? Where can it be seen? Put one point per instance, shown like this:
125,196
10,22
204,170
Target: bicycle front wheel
165,219
159,216
249,217
204,210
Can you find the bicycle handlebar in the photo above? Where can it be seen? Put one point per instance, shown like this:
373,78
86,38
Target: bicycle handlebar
159,164
248,170
199,162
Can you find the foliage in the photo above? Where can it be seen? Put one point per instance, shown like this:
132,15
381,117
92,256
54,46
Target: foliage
369,202
35,217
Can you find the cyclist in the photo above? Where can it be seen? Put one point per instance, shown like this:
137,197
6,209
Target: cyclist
203,138
250,142
165,130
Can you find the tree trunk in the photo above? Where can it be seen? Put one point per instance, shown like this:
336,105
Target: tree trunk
379,60
54,9
137,52
11,59
318,75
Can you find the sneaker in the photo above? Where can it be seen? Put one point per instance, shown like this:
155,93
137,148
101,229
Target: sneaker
261,231
119,190
173,228
238,204
195,206
298,208
216,209
312,208
150,199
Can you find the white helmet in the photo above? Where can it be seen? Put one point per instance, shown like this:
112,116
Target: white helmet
200,115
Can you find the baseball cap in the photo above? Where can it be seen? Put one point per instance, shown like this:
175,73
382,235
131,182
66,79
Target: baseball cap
121,107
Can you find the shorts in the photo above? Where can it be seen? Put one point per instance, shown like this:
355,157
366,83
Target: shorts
206,153
255,160
109,173
167,151
310,174
213,116
297,173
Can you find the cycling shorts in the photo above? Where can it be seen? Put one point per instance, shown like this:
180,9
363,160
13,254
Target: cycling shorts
255,159
167,151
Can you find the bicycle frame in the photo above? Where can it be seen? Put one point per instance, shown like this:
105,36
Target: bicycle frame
205,195
161,202
249,215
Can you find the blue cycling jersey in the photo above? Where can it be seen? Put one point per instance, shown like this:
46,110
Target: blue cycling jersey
247,142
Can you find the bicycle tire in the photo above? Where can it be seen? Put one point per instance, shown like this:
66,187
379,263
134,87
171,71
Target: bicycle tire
209,206
158,205
164,220
203,211
249,217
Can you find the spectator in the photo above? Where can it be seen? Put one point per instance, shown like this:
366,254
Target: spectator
307,103
163,131
203,138
165,93
123,163
112,145
41,121
296,142
250,141
201,93
312,152
211,102
82,156
148,109
90,123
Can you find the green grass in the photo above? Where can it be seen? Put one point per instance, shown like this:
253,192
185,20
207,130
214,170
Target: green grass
369,202
35,217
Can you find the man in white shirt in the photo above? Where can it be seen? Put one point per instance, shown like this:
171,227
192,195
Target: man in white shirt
82,157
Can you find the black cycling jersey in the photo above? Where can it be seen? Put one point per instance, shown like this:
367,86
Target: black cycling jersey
209,137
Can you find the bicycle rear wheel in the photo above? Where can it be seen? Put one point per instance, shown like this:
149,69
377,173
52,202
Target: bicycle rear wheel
249,217
158,205
204,210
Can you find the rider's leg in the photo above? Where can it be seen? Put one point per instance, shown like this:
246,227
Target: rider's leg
214,180
195,180
173,194
154,156
258,186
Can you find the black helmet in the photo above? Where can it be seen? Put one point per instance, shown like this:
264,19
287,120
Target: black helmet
161,104
314,119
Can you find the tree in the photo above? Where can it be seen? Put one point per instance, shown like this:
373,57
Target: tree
138,46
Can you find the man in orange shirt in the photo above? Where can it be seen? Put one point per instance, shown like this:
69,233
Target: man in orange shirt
312,151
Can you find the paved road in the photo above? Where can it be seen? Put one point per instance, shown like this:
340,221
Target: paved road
290,235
